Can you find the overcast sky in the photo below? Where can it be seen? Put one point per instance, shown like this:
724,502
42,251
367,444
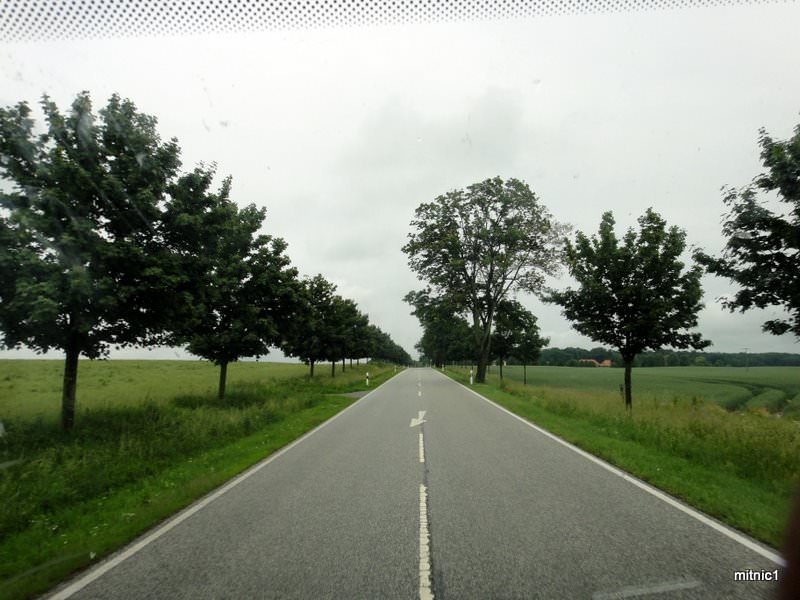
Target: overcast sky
342,133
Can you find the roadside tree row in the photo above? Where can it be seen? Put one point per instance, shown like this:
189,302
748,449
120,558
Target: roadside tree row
105,242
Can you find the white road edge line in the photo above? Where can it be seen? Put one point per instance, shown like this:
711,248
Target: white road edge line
421,448
425,592
115,559
647,590
734,535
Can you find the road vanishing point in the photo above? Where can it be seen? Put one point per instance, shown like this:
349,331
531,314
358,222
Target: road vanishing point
424,489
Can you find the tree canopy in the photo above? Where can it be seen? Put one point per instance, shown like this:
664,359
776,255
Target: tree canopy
446,335
243,289
81,256
634,295
474,246
516,334
308,336
762,254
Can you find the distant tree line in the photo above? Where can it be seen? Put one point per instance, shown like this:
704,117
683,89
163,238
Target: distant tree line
572,357
105,242
449,338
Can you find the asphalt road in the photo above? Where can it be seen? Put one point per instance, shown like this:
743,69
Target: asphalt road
496,510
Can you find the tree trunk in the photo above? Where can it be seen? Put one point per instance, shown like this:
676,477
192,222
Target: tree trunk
628,366
343,365
311,362
333,368
483,363
223,378
69,385
501,369
524,374
358,361
351,363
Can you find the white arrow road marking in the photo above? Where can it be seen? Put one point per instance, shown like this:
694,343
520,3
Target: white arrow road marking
647,590
419,420
419,393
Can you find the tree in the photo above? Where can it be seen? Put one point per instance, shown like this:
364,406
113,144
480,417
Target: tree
82,267
635,295
762,254
514,325
446,335
526,342
384,348
357,337
307,336
342,317
244,289
474,246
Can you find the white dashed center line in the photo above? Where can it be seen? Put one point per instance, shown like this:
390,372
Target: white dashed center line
425,592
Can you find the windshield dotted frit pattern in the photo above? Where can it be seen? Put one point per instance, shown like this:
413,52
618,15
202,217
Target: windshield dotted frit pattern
34,20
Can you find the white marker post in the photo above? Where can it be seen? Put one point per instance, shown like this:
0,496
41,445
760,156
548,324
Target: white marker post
367,378
470,376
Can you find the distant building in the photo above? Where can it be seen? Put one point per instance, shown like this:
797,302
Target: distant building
592,362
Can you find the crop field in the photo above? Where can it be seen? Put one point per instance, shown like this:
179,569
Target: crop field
776,389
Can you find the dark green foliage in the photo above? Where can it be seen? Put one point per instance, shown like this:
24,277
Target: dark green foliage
82,266
762,255
243,291
308,336
356,336
474,246
383,348
343,319
562,356
515,334
633,295
329,327
446,335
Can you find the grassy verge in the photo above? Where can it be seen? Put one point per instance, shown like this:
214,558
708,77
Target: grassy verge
77,497
739,467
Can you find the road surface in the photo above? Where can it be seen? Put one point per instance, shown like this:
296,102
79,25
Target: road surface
422,489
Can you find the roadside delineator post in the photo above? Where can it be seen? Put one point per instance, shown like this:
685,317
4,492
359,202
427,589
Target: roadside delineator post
367,378
470,376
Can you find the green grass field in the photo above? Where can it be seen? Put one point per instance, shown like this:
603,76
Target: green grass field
150,437
32,388
741,466
775,388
